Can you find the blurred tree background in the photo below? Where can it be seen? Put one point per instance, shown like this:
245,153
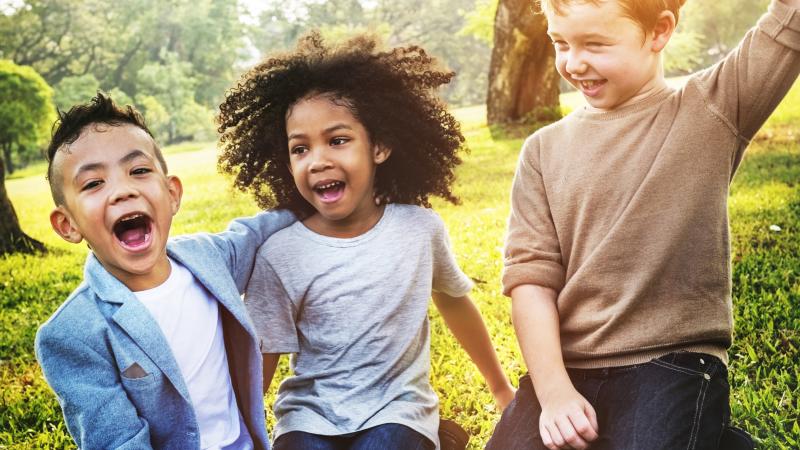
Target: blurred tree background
174,59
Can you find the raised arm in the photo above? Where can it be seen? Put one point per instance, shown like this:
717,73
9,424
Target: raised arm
87,383
465,322
748,84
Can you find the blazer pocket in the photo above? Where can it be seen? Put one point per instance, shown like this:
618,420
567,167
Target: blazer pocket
135,377
135,371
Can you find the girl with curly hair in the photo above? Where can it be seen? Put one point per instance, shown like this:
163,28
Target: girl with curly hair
325,131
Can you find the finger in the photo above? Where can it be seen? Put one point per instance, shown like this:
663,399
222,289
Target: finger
592,416
583,426
547,440
569,434
556,436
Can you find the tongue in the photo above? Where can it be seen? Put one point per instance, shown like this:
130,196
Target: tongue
332,193
133,237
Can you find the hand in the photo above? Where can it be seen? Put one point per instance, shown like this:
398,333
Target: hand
504,395
567,421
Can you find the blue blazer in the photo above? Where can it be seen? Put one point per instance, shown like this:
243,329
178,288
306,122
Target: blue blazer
102,329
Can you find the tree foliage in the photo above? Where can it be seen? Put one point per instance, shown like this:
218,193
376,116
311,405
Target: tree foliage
26,112
81,45
436,25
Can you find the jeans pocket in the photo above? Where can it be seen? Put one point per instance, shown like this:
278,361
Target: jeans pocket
697,392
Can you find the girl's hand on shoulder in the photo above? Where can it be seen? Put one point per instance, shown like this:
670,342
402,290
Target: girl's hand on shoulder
568,420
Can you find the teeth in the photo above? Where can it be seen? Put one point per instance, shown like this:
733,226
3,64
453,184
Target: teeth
589,83
135,216
328,185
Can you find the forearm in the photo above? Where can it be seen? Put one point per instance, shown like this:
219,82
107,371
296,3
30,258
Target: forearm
464,320
270,365
535,318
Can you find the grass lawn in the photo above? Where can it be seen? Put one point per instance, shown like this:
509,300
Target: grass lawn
765,197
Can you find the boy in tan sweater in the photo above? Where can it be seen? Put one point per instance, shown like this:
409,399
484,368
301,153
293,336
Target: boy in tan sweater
617,256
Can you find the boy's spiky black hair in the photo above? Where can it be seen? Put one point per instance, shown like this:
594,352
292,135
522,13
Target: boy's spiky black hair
390,92
99,110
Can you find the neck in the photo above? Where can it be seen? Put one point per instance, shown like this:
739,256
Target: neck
142,282
349,227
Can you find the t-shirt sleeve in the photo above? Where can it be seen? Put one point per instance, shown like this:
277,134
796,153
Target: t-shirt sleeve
748,84
532,253
271,308
448,278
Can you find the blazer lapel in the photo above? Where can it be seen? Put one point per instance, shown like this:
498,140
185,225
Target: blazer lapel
133,317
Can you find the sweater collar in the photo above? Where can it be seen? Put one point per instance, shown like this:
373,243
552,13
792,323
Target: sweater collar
641,105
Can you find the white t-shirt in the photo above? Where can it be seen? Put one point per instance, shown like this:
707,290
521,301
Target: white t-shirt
189,318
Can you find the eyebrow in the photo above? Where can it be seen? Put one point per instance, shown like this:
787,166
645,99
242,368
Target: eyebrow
584,36
330,129
133,154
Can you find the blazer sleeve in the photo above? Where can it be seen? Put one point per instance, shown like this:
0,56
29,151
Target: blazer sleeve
96,408
240,242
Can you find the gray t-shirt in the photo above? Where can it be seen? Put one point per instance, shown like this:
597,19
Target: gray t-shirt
354,314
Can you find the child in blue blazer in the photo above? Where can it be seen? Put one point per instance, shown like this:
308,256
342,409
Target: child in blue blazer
154,349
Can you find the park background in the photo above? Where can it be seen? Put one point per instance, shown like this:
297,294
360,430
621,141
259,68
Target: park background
175,59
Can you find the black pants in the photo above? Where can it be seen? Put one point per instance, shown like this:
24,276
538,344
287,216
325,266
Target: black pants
678,401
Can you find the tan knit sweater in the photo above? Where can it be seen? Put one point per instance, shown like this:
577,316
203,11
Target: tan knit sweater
624,213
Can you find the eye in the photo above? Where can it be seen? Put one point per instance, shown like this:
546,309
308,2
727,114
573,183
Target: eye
141,171
595,44
91,185
561,45
298,150
339,140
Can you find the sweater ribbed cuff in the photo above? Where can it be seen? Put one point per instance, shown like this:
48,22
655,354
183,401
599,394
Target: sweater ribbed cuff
782,24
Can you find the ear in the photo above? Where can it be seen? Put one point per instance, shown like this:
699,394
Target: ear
175,192
662,31
64,226
380,153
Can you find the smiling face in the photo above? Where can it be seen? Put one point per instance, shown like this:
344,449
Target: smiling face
606,55
333,163
118,198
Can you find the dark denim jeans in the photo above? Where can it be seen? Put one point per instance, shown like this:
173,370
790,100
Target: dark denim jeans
390,436
678,401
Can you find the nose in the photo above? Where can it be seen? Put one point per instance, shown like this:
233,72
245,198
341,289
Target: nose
123,190
575,63
319,161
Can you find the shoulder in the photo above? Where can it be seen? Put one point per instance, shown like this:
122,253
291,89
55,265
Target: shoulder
199,244
78,316
550,133
418,216
282,240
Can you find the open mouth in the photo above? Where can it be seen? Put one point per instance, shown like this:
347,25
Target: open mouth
329,191
133,231
591,87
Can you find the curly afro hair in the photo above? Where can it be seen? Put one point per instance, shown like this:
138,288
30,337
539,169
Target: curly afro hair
390,92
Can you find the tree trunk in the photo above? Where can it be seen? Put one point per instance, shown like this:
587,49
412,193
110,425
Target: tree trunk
523,81
8,162
12,239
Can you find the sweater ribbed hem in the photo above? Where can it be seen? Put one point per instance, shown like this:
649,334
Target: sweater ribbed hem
628,359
